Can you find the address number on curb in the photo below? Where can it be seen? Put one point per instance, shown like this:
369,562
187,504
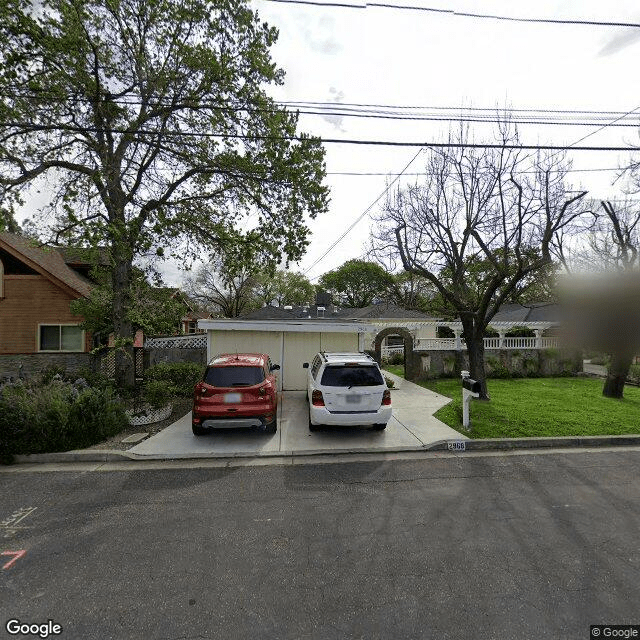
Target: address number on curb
456,445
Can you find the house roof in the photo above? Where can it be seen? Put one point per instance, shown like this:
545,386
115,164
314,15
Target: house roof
293,325
80,256
384,311
535,312
46,261
269,313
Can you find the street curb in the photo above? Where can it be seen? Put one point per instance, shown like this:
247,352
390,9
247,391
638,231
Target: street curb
87,455
539,443
493,444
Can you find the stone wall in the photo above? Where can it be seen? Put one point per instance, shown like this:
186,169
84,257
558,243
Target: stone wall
32,364
499,363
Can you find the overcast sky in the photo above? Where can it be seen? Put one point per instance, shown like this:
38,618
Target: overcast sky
384,56
400,57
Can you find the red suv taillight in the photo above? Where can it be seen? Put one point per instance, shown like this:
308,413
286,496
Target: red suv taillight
386,397
316,399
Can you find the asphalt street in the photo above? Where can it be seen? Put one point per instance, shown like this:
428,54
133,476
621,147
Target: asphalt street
471,546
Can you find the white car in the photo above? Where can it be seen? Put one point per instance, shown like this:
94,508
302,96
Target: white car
347,389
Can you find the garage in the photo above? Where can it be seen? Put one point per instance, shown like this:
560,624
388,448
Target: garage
288,343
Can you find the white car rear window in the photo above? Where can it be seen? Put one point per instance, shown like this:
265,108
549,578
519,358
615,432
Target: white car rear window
351,376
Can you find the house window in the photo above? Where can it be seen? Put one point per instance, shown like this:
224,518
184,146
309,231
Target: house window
192,326
56,337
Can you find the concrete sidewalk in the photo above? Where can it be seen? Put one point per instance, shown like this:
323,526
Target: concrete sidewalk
412,427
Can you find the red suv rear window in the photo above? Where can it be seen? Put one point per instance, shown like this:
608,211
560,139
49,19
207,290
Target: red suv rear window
234,376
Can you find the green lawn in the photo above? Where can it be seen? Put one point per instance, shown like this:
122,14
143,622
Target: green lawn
541,407
398,369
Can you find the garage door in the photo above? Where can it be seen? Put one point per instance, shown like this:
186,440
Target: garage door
298,348
301,347
246,342
339,342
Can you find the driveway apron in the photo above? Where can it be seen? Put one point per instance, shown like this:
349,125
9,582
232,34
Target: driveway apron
412,427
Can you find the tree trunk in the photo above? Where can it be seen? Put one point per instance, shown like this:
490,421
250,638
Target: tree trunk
618,372
123,329
475,349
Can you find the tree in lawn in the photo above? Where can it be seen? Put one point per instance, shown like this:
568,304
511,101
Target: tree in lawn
357,283
478,207
152,122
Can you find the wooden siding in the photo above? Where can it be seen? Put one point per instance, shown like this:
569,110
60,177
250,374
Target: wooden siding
28,302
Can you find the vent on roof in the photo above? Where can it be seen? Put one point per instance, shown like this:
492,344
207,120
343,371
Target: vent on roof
287,307
319,309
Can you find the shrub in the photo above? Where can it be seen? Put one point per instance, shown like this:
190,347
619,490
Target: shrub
520,332
179,377
634,373
497,369
394,358
56,416
390,382
157,393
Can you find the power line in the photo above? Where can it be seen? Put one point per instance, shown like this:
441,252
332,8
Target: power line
440,107
461,14
571,146
31,128
362,215
425,173
348,108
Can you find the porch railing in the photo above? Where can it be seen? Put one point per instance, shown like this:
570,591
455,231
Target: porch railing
450,344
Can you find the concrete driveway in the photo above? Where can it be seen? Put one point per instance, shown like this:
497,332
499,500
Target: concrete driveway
412,427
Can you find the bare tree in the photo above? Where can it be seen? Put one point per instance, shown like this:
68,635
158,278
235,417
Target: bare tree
218,289
479,205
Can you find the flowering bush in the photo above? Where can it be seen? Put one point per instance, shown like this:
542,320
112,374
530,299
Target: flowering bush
53,414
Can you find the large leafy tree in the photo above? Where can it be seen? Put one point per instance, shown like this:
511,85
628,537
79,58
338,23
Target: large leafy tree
479,208
154,309
151,119
284,287
357,283
410,291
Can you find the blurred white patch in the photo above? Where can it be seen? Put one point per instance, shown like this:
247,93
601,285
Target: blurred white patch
620,41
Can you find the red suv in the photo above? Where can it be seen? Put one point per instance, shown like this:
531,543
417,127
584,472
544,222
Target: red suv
238,390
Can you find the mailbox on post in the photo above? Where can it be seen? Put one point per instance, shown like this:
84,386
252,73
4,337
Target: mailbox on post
470,389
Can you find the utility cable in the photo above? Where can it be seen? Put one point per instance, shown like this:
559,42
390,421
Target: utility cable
363,214
463,14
